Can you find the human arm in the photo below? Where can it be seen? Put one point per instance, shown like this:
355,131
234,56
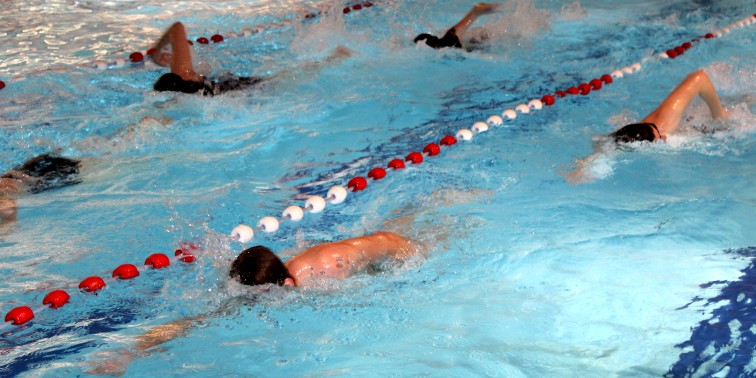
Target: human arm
477,10
342,258
11,185
179,56
8,209
667,116
118,361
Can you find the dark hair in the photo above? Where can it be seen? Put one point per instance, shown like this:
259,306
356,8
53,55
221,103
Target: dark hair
174,83
258,266
49,172
635,132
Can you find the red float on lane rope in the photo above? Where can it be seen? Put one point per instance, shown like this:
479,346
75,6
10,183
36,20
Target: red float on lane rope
19,315
346,10
357,183
56,298
607,79
186,256
151,51
356,6
126,272
548,100
2,84
584,89
202,40
595,84
671,53
93,283
136,57
396,164
573,90
216,38
377,173
448,140
186,249
415,157
560,93
158,261
432,149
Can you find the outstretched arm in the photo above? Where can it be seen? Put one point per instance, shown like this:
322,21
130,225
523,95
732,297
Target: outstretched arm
117,364
667,116
478,10
179,56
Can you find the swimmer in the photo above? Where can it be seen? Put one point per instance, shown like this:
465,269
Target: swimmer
172,50
454,36
660,123
260,268
40,173
51,171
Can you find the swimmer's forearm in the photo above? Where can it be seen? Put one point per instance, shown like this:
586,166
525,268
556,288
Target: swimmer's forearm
164,333
166,38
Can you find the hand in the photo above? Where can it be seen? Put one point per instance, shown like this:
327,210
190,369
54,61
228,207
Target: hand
111,362
485,8
162,58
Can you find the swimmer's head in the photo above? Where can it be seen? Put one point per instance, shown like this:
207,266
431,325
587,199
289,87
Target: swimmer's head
636,132
174,83
259,266
430,40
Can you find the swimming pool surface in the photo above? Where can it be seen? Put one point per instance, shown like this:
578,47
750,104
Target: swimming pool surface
646,271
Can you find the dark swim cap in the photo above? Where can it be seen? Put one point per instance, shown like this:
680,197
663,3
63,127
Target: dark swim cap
635,132
49,172
430,40
174,83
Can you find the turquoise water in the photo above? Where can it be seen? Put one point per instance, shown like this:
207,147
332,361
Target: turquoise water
537,277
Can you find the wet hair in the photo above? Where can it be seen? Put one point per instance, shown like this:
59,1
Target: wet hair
48,171
259,266
635,132
174,83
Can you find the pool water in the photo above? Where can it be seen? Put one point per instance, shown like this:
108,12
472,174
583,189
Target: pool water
647,270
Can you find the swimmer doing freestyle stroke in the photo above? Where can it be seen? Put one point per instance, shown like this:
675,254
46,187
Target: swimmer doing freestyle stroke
455,35
658,124
173,51
260,269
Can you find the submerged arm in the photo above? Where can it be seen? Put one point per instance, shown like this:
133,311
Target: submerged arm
157,335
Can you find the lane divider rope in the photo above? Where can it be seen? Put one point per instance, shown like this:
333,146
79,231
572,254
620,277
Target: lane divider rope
58,298
338,194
